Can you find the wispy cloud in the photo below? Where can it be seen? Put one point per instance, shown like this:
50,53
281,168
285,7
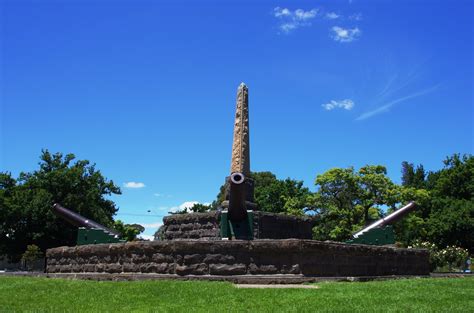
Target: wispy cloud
152,225
291,20
133,184
355,17
332,15
162,195
345,34
346,104
386,107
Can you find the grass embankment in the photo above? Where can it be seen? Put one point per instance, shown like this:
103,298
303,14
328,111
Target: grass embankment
406,295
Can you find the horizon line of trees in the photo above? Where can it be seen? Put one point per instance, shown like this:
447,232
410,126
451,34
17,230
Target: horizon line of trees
345,201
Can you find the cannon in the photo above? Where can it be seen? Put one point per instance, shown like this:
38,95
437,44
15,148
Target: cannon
88,231
381,231
237,219
240,196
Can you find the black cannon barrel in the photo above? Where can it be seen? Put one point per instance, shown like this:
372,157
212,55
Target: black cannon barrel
78,220
389,219
237,197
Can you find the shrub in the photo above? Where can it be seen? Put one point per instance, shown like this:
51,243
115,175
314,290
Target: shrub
451,258
32,254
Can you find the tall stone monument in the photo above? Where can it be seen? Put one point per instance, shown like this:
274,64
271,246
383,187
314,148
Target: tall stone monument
237,219
241,145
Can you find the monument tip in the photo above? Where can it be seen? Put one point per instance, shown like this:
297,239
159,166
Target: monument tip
242,85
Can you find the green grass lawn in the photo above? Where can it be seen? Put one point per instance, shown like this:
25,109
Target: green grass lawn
405,295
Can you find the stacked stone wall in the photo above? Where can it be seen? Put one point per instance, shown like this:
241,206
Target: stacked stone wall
206,226
257,257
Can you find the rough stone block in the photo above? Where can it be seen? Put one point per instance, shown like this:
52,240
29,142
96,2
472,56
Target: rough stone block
193,269
227,269
290,269
262,269
219,258
113,268
131,268
193,258
162,258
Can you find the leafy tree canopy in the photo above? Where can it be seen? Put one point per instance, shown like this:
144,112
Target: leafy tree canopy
25,214
446,216
128,232
347,200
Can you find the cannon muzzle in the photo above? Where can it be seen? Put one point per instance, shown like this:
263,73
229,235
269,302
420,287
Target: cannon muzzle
78,220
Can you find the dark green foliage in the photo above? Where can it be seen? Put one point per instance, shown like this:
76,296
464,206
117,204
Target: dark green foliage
200,208
347,200
412,177
128,232
447,215
25,212
32,253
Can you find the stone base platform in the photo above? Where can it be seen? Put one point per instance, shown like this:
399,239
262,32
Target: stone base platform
292,258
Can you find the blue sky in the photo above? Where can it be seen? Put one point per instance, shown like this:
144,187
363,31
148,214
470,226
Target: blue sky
146,89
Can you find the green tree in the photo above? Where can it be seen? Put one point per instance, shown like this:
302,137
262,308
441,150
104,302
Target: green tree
412,177
128,232
445,214
451,220
25,213
347,200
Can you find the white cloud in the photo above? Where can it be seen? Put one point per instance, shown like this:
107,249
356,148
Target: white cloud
152,225
332,15
185,205
133,184
305,15
287,27
356,17
346,104
291,20
345,34
147,237
279,12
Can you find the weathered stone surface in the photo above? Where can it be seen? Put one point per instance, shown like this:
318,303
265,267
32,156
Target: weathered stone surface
262,269
162,258
241,145
194,269
88,268
266,226
226,269
113,268
219,258
193,258
239,257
